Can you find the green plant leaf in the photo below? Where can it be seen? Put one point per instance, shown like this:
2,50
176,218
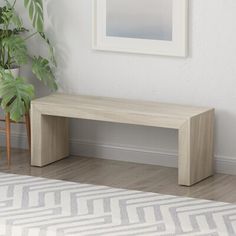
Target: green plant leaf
35,8
16,95
1,15
6,15
16,20
51,49
4,75
19,30
16,48
42,70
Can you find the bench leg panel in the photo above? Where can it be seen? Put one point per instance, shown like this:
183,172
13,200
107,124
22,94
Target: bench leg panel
50,138
196,149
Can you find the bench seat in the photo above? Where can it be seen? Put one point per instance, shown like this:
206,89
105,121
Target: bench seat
49,117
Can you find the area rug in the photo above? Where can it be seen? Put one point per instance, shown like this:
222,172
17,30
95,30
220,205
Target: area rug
31,206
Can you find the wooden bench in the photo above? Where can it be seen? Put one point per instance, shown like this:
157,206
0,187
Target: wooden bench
50,139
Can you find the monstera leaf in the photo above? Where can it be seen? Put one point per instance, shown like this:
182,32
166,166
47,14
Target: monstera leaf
16,49
16,95
35,8
42,70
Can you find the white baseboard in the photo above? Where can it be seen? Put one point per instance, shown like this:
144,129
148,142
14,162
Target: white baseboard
223,164
123,153
17,140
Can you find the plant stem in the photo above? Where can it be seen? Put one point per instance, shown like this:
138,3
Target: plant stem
1,63
13,5
3,57
8,58
30,36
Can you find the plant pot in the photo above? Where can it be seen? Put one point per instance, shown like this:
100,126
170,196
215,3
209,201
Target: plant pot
15,71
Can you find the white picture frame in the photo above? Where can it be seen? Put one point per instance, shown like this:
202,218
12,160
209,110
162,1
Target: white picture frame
177,46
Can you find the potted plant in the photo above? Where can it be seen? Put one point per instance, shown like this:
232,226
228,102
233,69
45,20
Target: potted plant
15,92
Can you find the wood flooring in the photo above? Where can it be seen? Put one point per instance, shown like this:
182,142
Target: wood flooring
123,175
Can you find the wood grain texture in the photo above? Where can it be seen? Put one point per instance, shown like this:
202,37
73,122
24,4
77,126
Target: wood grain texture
28,129
117,110
195,125
50,138
196,149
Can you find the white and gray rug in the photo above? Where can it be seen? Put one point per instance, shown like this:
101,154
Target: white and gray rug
32,206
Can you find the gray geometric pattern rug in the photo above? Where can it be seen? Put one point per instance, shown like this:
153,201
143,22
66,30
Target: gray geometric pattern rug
31,206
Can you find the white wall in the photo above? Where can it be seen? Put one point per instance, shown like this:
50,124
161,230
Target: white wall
206,78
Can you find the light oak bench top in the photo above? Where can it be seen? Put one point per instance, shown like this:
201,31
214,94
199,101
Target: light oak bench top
118,110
